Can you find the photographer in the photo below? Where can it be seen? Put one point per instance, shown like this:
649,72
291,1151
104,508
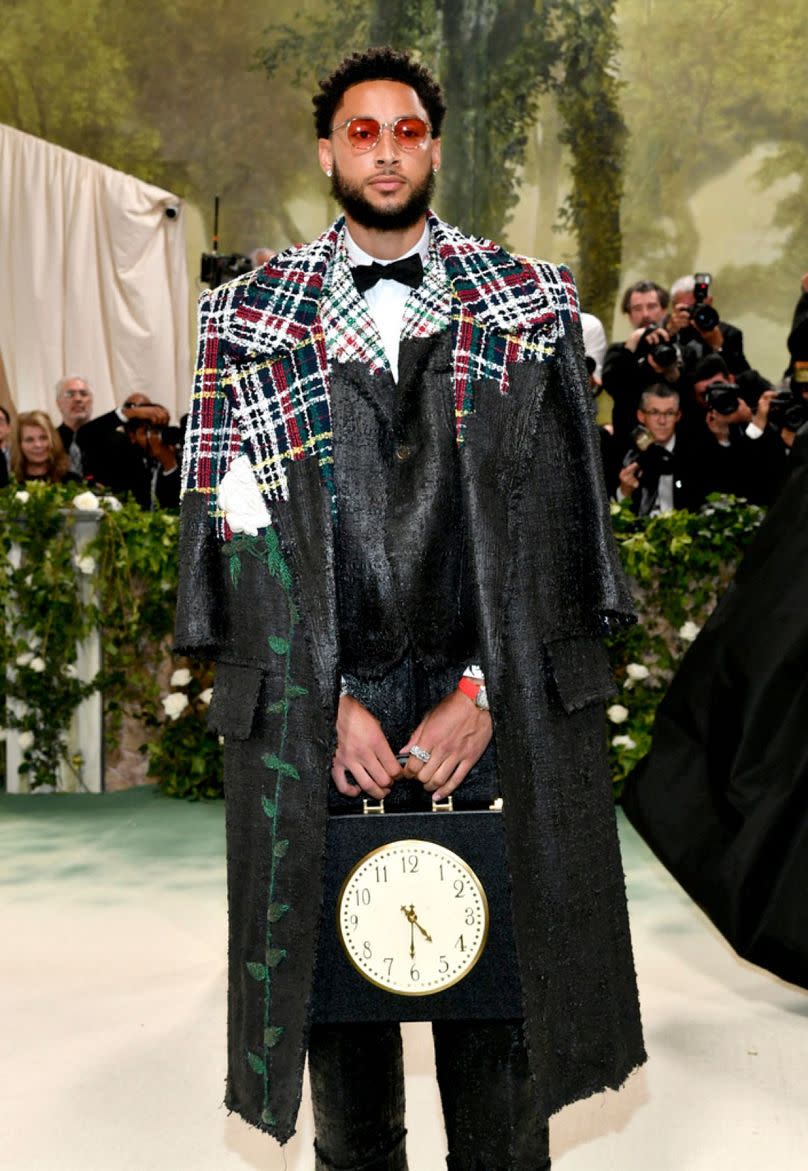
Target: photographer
152,473
696,326
741,452
659,470
646,357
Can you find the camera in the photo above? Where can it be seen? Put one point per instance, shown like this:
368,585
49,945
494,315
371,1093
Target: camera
217,269
665,353
702,314
654,460
788,410
722,397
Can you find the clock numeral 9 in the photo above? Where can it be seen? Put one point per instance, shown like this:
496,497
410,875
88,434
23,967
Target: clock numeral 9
409,865
353,920
362,897
366,951
415,975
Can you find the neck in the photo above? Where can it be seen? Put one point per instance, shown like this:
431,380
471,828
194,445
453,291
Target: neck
384,245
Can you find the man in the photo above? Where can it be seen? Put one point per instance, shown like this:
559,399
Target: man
97,449
644,359
152,474
657,474
701,334
389,495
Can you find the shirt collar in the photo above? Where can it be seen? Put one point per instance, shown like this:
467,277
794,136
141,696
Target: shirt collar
357,255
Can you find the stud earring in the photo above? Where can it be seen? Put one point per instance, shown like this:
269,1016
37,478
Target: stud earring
328,174
435,170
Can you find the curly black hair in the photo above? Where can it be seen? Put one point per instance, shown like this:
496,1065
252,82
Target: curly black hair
380,64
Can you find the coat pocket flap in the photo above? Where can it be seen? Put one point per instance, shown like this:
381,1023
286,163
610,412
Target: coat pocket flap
581,672
235,698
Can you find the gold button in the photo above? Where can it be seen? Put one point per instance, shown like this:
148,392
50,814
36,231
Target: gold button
403,453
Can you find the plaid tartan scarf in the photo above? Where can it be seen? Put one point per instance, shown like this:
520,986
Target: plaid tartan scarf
266,340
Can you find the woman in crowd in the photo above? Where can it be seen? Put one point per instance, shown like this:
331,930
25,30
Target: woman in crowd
37,452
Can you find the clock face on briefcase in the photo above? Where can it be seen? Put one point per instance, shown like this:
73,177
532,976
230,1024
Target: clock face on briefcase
412,917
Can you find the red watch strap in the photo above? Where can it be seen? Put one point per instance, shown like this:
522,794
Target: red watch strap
470,687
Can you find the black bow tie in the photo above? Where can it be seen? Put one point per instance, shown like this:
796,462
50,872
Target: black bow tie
409,271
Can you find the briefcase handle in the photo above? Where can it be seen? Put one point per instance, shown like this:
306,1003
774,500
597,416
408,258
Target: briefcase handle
369,805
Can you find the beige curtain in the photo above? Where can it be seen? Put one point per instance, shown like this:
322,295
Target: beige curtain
93,279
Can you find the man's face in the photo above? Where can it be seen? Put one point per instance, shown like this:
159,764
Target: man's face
645,309
700,388
386,188
75,401
685,300
660,416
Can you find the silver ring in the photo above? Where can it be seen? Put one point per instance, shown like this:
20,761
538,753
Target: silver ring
420,754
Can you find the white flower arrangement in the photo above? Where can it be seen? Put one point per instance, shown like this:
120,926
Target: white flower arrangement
689,631
617,713
25,741
181,677
175,704
206,696
240,499
24,659
637,671
623,742
86,502
85,565
22,496
37,664
110,503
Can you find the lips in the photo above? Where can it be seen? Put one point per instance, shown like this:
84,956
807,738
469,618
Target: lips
387,183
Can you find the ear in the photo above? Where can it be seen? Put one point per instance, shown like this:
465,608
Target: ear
326,155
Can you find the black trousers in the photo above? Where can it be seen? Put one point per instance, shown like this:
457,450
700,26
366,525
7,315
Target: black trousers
356,1071
357,1089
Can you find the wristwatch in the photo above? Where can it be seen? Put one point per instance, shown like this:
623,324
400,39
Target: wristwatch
475,689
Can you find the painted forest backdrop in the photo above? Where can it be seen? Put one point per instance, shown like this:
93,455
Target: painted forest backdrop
627,137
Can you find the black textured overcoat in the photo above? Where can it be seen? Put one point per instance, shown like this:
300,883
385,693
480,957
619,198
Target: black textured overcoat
546,584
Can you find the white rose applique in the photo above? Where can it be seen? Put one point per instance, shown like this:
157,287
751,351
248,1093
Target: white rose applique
240,499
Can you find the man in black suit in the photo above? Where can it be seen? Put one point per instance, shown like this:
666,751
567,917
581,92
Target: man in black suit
659,471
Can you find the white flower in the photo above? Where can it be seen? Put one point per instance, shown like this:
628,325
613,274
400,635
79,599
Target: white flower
71,671
175,704
85,502
24,659
111,503
181,677
689,631
85,564
37,665
26,741
614,508
637,671
240,499
623,742
206,695
617,713
22,496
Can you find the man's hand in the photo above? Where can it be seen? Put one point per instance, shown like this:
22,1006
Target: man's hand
456,733
152,413
629,480
362,751
634,339
761,415
679,319
713,337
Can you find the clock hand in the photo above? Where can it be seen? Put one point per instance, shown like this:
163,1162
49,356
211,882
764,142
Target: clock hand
413,919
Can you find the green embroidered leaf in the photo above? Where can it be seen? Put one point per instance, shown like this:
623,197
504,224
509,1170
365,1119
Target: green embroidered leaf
282,766
272,1035
279,645
277,708
275,955
257,1065
257,971
270,807
293,691
280,848
269,1118
235,568
276,911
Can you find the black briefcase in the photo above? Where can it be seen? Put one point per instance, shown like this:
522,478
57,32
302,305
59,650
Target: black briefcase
417,920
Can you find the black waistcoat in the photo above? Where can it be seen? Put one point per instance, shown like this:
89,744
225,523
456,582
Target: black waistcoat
401,551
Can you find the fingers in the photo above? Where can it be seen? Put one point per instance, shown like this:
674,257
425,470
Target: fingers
363,782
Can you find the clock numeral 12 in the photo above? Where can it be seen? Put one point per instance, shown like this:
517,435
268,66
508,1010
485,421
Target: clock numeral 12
409,865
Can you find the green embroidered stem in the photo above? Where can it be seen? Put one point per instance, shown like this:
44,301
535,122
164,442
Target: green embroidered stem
280,645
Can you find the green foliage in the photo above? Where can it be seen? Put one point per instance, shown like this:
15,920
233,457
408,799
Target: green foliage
679,564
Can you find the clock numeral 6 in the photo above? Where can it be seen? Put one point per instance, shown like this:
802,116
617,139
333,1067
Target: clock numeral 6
414,974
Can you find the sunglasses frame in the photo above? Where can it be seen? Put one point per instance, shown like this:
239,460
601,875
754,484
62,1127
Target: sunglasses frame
391,126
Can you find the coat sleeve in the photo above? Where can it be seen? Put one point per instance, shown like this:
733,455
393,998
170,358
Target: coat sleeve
211,443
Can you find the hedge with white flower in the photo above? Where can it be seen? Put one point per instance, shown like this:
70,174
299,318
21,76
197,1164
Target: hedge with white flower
678,564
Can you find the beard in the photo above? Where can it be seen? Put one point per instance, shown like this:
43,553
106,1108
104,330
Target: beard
395,219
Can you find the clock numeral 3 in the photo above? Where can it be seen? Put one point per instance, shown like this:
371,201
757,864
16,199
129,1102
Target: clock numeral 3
469,917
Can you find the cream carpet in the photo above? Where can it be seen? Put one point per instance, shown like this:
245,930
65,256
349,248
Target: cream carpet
112,923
